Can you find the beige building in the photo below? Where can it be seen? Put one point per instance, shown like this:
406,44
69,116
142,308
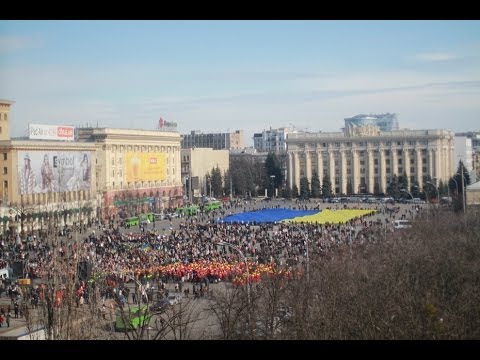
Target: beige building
363,159
473,194
136,170
197,163
43,180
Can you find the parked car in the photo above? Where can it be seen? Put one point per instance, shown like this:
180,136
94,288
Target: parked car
160,306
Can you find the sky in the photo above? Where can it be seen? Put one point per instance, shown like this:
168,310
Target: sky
220,76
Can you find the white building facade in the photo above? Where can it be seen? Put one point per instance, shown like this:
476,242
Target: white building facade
365,160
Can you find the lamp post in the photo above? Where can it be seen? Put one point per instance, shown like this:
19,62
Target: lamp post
272,177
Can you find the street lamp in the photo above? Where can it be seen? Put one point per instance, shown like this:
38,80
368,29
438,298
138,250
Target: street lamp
272,177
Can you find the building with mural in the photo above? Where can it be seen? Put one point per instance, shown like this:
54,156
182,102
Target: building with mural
136,171
45,176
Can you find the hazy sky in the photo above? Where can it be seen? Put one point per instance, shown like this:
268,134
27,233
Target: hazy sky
227,75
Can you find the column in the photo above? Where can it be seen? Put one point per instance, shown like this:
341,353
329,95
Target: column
394,168
430,163
343,172
355,172
320,166
296,174
438,166
383,172
290,170
406,160
308,167
370,172
331,168
419,168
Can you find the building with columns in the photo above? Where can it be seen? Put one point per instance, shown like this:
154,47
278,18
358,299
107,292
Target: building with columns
365,160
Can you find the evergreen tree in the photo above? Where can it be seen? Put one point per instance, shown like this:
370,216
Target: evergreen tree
429,189
315,186
216,182
393,188
294,191
327,187
304,188
287,192
403,182
273,167
226,183
415,189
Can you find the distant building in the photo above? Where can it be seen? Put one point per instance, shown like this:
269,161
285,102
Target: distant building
385,122
216,141
473,194
273,140
475,139
463,152
196,164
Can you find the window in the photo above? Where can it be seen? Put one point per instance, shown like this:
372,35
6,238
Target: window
424,160
387,152
387,161
362,171
388,143
399,143
424,169
4,156
376,170
375,161
399,161
399,152
5,171
412,161
0,129
362,162
388,170
5,184
113,161
412,169
400,170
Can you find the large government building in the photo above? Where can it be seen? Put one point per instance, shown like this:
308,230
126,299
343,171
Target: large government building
363,159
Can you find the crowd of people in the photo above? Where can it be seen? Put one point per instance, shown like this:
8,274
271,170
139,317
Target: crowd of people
196,248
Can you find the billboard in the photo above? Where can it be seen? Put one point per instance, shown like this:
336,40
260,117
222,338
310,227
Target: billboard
51,132
53,171
145,166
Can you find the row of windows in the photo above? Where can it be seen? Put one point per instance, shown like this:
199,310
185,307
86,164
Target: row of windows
363,143
142,148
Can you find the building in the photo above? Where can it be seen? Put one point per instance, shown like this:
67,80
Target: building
197,163
216,141
136,170
475,150
44,181
273,140
473,194
365,161
463,152
385,122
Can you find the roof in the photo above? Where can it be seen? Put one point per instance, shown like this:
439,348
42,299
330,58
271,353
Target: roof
474,186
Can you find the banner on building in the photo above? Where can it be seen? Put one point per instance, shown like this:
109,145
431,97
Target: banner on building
145,166
53,171
51,132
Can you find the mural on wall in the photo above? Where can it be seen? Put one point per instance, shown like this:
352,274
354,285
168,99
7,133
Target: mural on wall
53,171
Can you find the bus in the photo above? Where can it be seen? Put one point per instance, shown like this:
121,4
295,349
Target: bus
212,205
402,224
135,316
188,210
132,221
148,216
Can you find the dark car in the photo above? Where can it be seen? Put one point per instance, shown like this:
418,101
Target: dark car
160,305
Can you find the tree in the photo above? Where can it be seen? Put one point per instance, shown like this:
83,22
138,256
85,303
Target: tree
326,187
226,183
393,188
415,189
216,182
304,188
458,204
273,167
294,191
403,181
315,186
287,192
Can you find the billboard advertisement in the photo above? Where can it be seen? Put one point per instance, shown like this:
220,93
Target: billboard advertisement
51,132
145,166
53,171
